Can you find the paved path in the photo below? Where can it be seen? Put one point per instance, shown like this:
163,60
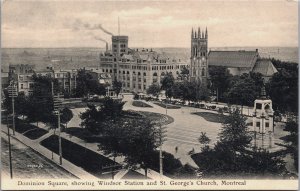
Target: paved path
27,163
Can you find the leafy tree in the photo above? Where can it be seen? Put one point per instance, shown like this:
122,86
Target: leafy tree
184,71
292,140
220,80
235,131
154,90
167,83
85,84
66,116
283,90
242,91
117,86
204,139
232,155
93,117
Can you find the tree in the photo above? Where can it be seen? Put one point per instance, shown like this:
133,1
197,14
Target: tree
235,131
220,80
167,83
93,117
242,91
203,139
292,140
86,84
283,90
154,90
232,155
66,116
117,86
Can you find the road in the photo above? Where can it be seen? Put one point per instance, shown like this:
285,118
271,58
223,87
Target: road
27,163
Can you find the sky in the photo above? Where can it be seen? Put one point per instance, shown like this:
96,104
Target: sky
152,23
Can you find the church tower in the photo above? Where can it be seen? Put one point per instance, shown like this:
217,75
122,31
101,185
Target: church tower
199,51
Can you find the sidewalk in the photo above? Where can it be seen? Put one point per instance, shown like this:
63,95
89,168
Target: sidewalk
77,171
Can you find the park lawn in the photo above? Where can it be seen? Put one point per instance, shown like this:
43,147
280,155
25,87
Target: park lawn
140,104
168,105
90,161
83,134
35,133
158,117
212,117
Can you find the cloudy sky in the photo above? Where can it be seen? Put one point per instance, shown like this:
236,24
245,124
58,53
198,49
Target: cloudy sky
75,23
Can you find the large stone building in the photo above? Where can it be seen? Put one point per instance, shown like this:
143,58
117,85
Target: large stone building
198,64
241,61
137,69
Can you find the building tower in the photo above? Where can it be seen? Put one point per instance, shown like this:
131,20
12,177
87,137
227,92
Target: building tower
199,51
263,114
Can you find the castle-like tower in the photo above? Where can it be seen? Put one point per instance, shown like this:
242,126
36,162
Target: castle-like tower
199,51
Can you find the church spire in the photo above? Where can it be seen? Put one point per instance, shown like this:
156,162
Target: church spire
198,32
192,32
206,33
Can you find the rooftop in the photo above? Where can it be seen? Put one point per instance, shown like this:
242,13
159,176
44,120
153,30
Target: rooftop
239,58
265,67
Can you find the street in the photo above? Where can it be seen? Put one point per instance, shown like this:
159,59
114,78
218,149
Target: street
27,163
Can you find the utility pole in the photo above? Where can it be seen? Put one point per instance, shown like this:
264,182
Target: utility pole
161,139
12,92
57,106
9,149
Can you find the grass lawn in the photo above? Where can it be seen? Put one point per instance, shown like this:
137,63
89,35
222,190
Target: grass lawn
140,104
36,133
211,117
83,134
163,119
168,105
80,156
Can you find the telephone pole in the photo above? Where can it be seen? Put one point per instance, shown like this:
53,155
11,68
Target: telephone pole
57,106
161,138
12,92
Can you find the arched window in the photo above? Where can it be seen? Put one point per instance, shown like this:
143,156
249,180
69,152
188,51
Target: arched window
155,74
127,72
162,74
139,73
123,72
144,74
203,72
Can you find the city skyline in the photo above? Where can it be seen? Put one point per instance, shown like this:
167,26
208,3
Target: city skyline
154,24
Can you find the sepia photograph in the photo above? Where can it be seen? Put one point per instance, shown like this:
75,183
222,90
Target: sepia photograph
150,94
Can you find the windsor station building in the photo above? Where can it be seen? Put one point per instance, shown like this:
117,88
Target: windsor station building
137,69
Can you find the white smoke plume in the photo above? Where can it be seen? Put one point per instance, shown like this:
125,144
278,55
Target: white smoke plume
80,25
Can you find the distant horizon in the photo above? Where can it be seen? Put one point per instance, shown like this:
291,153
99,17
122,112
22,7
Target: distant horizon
153,47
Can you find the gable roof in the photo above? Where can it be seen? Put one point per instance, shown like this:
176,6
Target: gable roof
234,59
265,67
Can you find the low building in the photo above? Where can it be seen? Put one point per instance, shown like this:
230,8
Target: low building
24,83
21,68
66,80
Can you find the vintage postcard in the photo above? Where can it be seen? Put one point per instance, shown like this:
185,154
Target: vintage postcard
151,95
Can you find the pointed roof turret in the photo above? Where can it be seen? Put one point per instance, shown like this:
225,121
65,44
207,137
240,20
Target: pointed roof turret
199,32
206,33
192,33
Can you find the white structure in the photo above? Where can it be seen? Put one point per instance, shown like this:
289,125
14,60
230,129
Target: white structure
263,115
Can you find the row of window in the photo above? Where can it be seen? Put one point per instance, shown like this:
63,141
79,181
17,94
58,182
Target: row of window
258,124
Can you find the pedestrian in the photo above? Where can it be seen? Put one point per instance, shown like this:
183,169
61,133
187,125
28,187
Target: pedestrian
176,149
